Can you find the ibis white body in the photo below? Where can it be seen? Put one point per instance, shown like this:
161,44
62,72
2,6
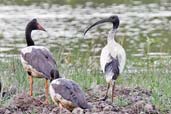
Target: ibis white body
113,55
110,51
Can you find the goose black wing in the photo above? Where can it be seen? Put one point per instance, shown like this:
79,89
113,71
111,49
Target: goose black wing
70,91
41,60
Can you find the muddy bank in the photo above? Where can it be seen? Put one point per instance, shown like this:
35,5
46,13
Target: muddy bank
126,101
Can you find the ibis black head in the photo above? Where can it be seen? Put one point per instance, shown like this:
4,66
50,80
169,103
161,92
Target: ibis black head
34,25
112,19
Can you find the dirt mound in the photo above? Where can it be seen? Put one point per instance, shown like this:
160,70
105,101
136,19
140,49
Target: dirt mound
127,100
23,103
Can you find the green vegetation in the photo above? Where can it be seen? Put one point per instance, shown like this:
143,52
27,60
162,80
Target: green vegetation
150,73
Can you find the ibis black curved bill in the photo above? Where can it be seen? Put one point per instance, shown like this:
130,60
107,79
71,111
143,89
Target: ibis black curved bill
112,19
96,23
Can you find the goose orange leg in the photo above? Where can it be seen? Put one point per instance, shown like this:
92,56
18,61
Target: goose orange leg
31,85
46,91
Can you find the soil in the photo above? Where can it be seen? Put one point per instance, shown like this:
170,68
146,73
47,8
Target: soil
126,101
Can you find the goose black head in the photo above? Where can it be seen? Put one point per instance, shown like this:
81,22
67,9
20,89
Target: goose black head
112,19
34,25
54,74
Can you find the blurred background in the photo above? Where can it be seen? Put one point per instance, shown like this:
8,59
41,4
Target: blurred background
144,28
144,32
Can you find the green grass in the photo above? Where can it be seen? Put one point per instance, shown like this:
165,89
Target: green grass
76,66
154,78
155,81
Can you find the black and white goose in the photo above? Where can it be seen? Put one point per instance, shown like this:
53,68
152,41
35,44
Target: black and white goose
113,55
37,60
68,94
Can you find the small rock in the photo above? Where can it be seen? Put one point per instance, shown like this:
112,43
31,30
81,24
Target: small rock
58,110
64,111
108,108
55,111
45,111
2,110
148,107
139,104
78,111
17,112
7,112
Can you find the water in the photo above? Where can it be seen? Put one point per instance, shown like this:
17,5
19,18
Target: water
144,28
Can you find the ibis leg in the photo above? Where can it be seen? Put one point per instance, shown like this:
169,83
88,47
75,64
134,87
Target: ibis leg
46,91
106,96
113,90
31,85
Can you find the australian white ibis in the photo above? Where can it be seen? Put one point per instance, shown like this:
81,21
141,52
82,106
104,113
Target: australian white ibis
113,55
37,60
68,94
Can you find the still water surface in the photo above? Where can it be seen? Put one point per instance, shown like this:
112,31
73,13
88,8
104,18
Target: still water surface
145,29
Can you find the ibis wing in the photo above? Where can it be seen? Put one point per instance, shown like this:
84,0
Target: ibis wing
41,60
